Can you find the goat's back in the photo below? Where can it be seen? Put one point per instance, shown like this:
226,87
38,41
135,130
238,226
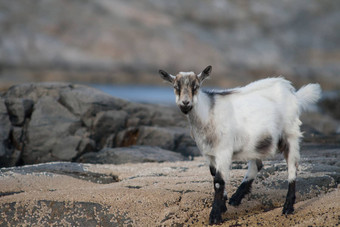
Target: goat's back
267,107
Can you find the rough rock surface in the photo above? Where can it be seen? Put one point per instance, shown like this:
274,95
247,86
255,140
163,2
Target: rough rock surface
167,194
133,154
43,122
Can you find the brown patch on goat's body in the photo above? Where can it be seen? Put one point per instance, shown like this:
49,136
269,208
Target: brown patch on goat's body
283,146
263,146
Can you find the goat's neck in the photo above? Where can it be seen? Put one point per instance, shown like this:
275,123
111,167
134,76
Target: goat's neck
200,114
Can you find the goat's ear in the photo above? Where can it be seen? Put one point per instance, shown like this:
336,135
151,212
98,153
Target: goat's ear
166,76
205,73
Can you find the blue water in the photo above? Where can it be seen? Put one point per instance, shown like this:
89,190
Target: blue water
155,94
140,93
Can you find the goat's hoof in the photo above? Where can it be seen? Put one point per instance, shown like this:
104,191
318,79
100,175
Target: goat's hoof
234,201
288,207
215,219
287,210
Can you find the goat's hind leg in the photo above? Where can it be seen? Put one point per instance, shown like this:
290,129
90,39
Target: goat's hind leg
254,166
290,149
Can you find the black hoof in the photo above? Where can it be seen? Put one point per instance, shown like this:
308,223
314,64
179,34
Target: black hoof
242,190
215,219
234,201
288,207
288,210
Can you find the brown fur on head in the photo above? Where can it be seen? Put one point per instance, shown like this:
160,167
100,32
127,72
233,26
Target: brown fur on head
186,86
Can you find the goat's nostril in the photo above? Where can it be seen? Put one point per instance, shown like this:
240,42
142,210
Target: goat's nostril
185,103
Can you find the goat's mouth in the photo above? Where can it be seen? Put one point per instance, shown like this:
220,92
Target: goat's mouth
185,109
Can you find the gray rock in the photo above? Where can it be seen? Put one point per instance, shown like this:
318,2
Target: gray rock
321,122
67,148
86,102
132,154
155,115
18,109
167,138
17,141
6,148
49,133
75,170
34,91
107,123
331,105
86,145
156,136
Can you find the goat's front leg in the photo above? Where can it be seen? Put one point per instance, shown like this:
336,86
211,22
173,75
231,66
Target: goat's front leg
219,204
220,197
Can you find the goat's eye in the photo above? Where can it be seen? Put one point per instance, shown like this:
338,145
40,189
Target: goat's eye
195,87
176,87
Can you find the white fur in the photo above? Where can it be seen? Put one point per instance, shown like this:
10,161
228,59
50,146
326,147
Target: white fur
268,107
308,94
186,73
252,171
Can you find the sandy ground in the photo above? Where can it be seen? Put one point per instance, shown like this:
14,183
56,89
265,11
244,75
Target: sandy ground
153,194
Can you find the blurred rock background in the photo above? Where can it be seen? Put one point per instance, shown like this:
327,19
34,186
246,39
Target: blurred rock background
104,41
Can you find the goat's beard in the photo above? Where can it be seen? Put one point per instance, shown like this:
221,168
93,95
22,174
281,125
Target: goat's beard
185,109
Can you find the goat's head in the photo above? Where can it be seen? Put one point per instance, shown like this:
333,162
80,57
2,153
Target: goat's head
186,86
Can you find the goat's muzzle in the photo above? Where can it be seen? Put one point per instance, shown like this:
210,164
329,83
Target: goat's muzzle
185,108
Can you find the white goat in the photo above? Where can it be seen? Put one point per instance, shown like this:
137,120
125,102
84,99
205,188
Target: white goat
246,123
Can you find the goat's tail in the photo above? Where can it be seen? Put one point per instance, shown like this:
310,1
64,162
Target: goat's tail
308,95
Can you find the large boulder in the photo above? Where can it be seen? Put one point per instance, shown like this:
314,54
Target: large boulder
43,122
